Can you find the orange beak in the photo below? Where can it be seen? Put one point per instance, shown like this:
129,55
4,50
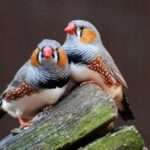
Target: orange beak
47,52
70,29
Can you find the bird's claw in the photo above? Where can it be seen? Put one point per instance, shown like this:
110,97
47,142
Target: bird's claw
16,131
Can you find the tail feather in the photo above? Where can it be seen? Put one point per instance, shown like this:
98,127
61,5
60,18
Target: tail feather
126,113
2,112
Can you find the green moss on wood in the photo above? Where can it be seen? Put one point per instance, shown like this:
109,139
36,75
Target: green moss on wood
58,137
83,111
127,138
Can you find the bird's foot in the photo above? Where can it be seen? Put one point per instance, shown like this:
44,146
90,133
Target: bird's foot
24,123
16,131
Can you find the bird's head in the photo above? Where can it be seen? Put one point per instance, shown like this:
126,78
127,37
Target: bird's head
49,52
82,31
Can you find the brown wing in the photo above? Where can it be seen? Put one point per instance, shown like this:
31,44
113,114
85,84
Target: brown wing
110,75
108,60
111,66
21,90
99,66
117,74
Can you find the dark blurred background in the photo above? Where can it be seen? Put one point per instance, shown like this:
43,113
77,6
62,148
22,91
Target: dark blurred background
125,30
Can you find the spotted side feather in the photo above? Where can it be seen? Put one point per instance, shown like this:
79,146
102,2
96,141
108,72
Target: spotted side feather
22,90
99,66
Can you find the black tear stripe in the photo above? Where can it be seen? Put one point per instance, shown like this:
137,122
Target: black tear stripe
37,56
58,56
50,84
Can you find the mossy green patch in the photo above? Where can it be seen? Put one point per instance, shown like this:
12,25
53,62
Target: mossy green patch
126,139
55,137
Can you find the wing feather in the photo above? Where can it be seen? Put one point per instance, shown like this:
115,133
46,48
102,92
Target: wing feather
18,86
112,67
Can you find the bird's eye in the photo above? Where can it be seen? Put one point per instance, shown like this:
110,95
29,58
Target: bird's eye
56,49
81,28
81,31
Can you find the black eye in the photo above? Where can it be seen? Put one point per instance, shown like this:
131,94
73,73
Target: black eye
56,49
81,28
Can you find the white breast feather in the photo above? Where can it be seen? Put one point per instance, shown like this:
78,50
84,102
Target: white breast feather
29,104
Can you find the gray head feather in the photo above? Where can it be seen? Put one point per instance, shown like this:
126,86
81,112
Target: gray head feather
89,51
33,74
48,43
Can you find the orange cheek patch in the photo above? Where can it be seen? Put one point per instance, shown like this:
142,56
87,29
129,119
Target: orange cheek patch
63,58
34,60
88,36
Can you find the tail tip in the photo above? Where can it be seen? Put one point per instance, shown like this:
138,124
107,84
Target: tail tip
126,113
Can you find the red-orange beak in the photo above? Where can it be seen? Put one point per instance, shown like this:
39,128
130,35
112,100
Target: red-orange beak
70,29
47,52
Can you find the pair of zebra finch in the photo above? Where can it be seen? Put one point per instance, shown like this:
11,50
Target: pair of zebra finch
44,78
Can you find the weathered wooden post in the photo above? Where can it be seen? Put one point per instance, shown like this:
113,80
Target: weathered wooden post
77,123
